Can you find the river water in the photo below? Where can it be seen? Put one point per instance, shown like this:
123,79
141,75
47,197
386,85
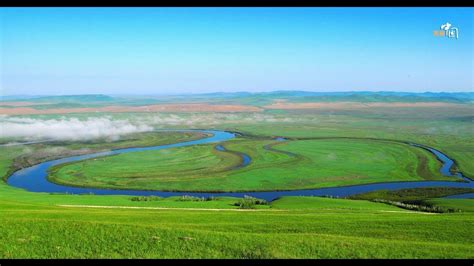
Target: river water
34,178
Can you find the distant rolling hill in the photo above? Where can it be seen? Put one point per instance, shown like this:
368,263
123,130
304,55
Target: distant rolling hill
243,98
359,96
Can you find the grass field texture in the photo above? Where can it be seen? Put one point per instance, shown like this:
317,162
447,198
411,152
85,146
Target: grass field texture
299,227
42,225
289,165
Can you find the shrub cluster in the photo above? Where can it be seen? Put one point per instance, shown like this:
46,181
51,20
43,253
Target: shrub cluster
416,207
146,198
249,202
192,198
329,196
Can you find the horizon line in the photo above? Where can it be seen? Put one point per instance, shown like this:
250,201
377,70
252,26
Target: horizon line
233,92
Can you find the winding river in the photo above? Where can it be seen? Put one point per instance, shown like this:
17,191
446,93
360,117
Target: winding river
34,178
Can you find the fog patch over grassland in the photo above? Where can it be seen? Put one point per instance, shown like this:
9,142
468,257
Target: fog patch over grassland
113,127
68,129
203,120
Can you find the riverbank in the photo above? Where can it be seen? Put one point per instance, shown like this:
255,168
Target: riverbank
35,178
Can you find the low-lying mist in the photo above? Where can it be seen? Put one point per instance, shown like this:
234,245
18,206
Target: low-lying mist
112,128
72,129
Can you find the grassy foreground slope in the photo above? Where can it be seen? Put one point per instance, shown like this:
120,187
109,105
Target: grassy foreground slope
325,228
287,165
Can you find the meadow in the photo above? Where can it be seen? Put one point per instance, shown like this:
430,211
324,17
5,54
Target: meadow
34,226
299,165
19,156
324,147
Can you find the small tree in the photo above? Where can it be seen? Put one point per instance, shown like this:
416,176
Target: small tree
249,202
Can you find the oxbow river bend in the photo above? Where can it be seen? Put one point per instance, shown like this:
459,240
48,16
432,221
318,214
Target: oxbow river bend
34,178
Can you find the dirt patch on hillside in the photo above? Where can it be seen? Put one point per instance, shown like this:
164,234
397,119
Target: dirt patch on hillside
354,105
121,109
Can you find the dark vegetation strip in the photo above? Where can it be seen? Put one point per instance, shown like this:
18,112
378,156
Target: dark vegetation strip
421,206
422,167
413,198
410,194
247,202
269,147
295,158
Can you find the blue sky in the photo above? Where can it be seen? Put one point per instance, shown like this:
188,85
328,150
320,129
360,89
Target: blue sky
193,50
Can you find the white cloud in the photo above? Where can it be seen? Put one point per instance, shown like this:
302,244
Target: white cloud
68,128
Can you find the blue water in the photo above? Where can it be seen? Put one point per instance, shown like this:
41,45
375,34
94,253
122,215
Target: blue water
34,178
461,196
220,148
245,158
447,163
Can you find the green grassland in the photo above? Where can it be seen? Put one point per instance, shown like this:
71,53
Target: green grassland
40,225
449,130
291,227
289,165
17,157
